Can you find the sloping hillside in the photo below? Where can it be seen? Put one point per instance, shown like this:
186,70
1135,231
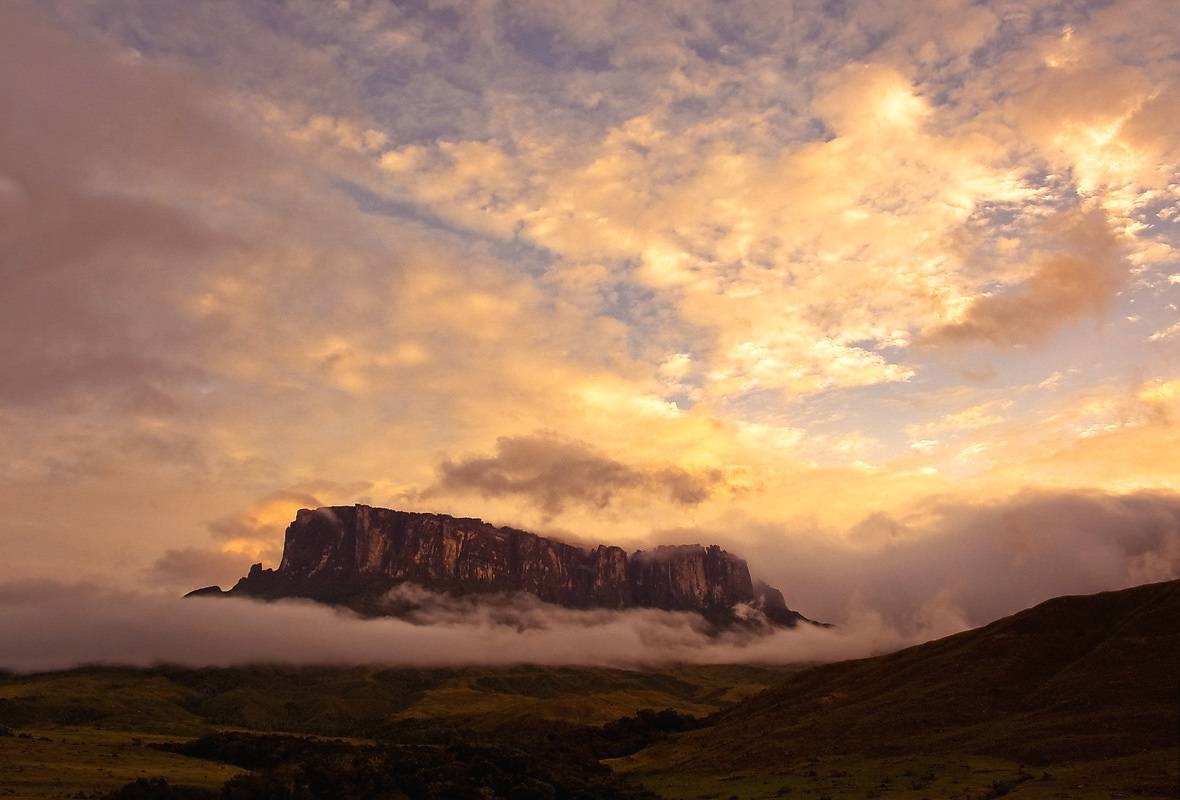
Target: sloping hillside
1075,680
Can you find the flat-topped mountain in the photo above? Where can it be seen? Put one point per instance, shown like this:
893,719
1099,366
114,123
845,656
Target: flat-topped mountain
353,555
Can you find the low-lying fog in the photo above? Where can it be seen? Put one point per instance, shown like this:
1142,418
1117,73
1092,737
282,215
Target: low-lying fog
890,584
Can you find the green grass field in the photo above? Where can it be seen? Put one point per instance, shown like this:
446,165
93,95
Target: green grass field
85,732
69,761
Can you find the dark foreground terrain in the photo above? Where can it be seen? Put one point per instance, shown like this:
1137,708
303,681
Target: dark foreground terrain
1076,698
347,732
1080,694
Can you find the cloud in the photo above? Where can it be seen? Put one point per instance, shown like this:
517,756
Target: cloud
1165,333
188,568
1077,275
974,562
98,178
973,418
46,626
892,581
256,532
243,249
553,472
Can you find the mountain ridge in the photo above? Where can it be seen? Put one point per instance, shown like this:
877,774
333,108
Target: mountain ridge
353,556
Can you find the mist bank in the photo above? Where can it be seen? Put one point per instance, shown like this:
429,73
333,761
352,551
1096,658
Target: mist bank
943,565
889,582
948,565
49,626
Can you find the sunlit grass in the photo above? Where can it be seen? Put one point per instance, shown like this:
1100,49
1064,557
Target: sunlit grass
59,762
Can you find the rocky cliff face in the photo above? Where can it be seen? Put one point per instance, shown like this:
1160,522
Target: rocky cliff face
352,555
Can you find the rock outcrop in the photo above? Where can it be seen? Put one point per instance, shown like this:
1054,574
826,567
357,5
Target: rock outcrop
353,555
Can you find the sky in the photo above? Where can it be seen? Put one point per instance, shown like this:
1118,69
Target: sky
881,295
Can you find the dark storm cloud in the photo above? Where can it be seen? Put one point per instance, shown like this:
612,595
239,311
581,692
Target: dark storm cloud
554,473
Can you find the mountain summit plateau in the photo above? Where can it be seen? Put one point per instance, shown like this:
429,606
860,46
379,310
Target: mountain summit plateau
354,555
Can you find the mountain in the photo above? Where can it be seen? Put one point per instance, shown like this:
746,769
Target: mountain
353,555
1085,686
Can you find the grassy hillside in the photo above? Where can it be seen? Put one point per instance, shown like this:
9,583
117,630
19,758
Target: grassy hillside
1088,687
359,701
91,729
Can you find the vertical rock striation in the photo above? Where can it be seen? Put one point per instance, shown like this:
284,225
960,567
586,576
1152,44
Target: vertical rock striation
352,555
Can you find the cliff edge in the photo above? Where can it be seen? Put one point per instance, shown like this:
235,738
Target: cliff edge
353,555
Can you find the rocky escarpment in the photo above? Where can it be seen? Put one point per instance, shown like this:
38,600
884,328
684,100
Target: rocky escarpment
353,555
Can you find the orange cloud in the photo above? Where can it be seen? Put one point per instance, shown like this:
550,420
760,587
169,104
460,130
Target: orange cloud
1078,274
554,472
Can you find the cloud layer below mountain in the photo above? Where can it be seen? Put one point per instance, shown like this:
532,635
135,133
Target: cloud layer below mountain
47,626
889,583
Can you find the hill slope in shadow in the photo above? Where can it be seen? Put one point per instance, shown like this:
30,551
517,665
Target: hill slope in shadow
1075,680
